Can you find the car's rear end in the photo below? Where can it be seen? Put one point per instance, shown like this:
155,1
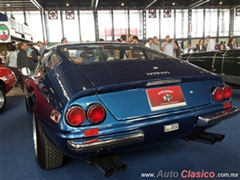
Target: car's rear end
109,98
151,107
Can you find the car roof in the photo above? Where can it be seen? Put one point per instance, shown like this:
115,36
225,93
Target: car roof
93,43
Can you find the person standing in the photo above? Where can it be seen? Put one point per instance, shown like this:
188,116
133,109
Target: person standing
149,42
42,48
177,51
4,57
211,43
217,46
123,38
13,62
155,44
64,40
130,38
24,58
169,46
200,46
135,40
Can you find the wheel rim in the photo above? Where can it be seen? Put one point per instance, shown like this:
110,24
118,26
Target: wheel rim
34,135
2,99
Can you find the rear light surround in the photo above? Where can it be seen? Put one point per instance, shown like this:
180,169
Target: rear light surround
96,113
222,93
75,115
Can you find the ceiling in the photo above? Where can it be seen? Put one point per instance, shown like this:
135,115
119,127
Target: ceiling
18,5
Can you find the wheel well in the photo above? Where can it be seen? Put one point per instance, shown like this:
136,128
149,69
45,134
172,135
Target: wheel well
3,85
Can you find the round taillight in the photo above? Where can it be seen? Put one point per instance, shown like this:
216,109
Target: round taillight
75,116
96,113
218,94
227,92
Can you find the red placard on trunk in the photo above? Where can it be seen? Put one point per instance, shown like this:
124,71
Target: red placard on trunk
165,97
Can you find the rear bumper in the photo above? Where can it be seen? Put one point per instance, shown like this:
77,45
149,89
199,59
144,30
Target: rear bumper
216,117
123,139
141,135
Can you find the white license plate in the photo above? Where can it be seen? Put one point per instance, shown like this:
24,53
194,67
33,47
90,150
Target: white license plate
171,127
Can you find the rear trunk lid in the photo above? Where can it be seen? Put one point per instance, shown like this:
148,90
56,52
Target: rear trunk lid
134,89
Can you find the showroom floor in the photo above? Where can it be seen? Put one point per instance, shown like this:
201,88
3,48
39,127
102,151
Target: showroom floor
172,157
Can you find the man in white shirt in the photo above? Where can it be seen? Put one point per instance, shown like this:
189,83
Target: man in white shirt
169,46
149,43
155,44
211,43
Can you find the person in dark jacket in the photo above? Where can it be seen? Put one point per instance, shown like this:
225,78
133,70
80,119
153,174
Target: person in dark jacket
200,46
35,50
24,60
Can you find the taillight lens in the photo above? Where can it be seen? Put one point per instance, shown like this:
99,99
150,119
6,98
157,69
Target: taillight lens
227,92
218,94
75,116
96,113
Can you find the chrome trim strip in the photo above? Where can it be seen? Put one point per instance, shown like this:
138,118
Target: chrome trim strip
163,82
217,117
78,147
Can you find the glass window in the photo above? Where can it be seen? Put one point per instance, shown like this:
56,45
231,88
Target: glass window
136,23
34,22
224,22
152,25
53,61
197,23
54,29
236,26
103,53
87,26
167,25
181,23
105,25
18,15
120,21
70,26
211,18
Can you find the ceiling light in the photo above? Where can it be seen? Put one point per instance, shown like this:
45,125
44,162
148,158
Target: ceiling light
96,4
8,5
150,4
220,2
67,4
173,3
122,4
37,4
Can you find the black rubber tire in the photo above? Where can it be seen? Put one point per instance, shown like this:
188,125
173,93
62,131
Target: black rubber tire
2,99
48,156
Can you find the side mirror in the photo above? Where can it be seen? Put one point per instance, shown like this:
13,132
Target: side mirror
25,71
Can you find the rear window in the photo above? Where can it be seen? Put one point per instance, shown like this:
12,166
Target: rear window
101,53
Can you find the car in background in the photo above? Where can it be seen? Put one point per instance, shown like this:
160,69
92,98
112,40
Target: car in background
225,63
97,100
7,82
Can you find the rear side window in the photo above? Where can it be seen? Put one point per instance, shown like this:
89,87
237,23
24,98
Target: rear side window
53,60
103,53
